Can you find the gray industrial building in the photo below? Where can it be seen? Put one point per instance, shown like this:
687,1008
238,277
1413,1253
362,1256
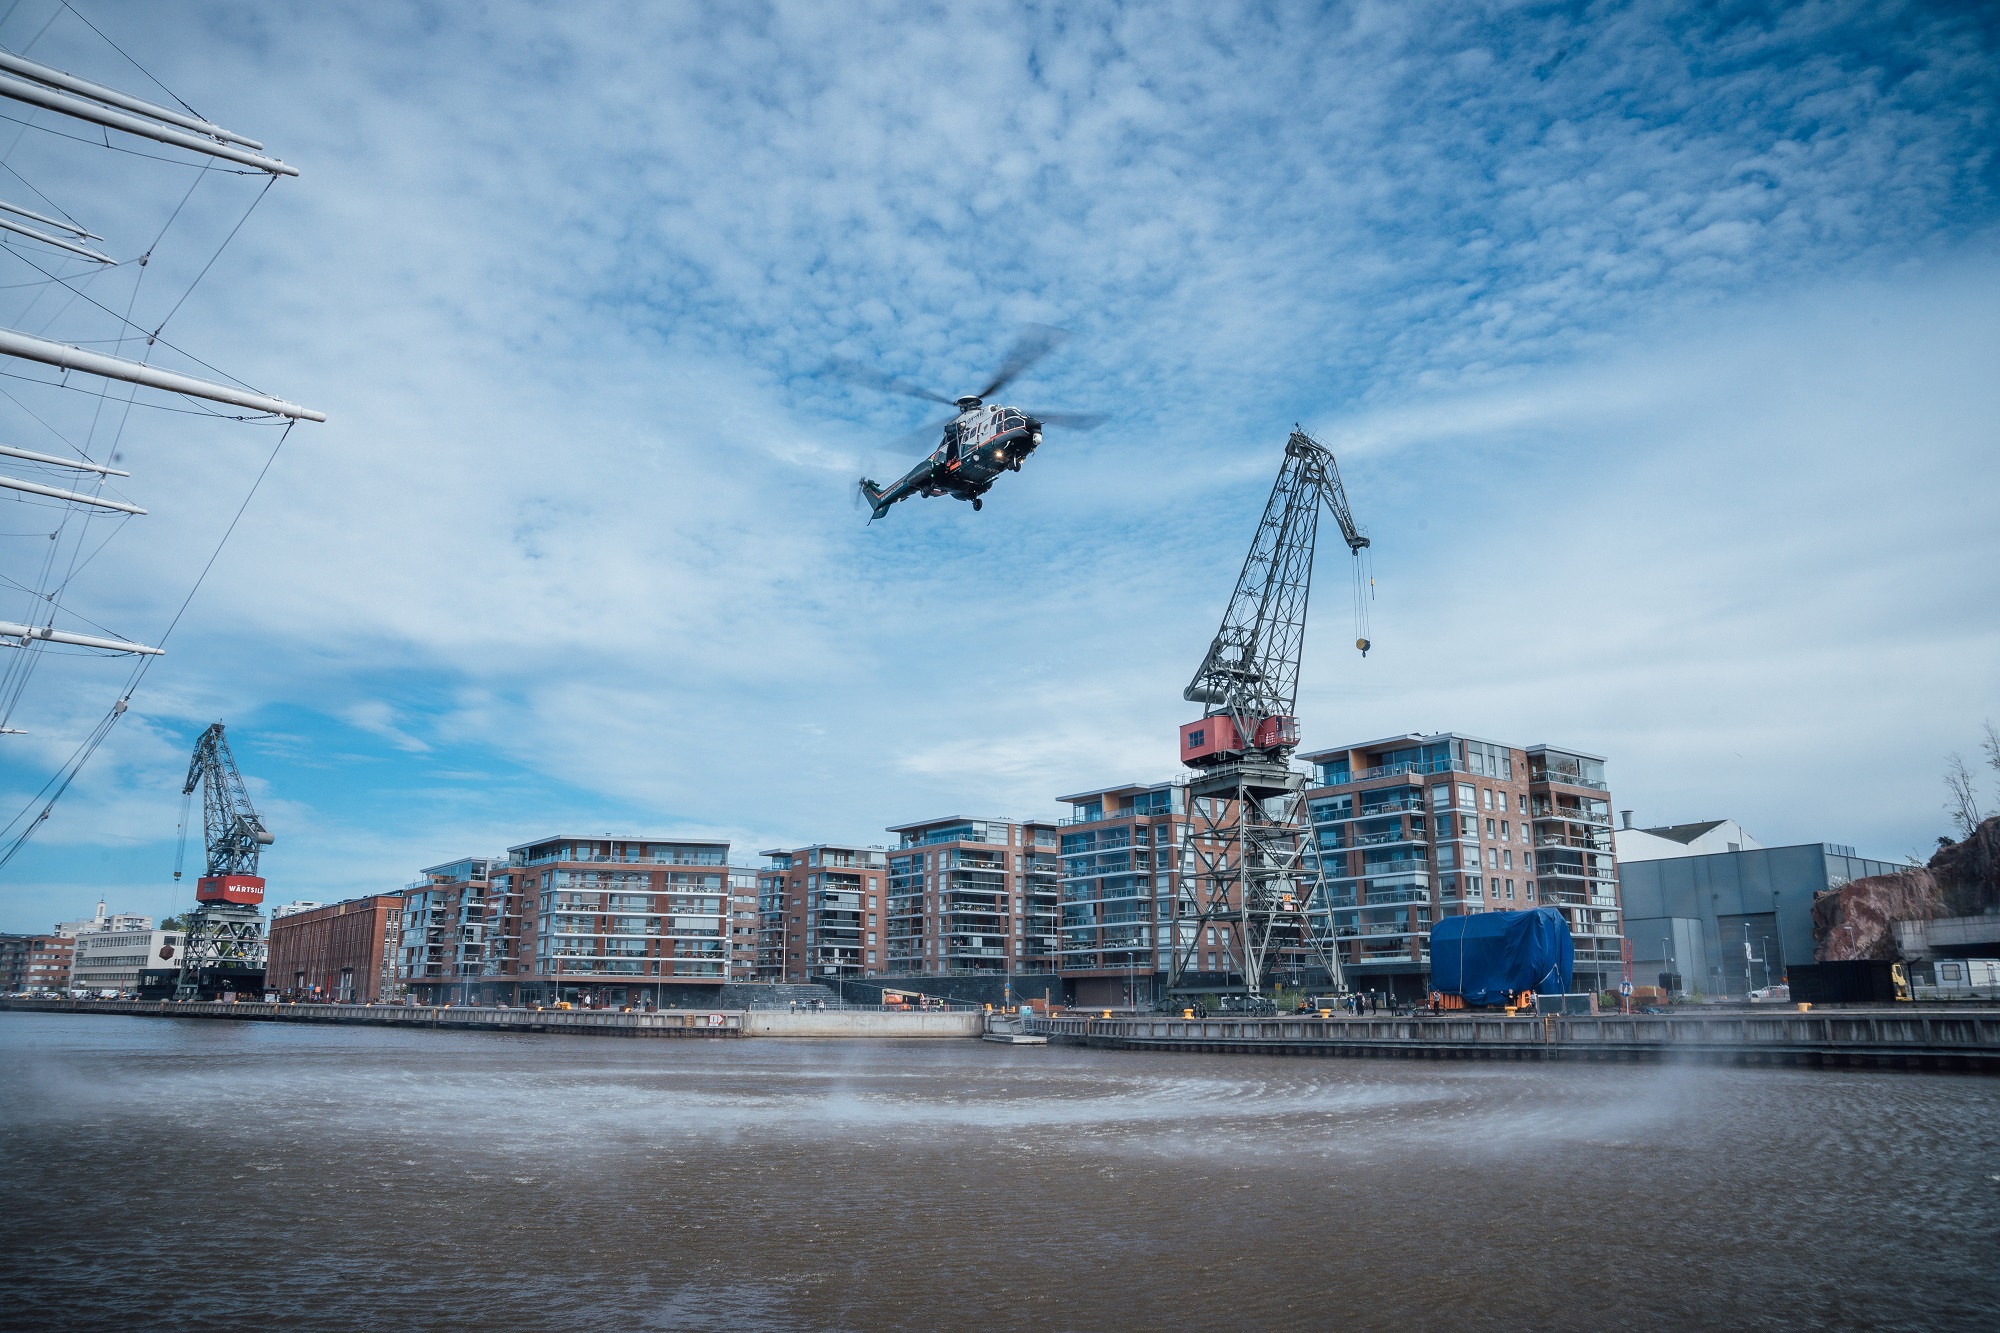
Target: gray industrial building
1730,922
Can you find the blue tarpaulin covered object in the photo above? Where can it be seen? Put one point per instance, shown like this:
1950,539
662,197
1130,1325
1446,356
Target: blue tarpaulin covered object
1490,957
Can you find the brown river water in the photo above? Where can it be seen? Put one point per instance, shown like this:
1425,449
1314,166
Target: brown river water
181,1174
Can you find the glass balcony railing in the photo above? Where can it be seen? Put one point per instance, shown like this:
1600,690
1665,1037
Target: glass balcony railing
1566,779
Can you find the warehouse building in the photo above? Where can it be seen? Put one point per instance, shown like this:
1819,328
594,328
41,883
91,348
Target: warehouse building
1728,922
345,952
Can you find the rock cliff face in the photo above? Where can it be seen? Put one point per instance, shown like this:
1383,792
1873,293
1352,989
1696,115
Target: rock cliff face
1961,880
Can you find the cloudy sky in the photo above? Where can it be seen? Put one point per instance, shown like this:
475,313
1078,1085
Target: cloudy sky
1657,344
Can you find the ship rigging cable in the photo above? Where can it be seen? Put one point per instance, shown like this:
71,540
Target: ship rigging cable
16,832
66,291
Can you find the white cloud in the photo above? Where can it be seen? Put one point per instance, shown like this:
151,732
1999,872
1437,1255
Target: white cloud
579,519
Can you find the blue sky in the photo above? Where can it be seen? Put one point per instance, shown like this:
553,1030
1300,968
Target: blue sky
1656,343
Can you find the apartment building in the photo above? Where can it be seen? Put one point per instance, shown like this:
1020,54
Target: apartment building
743,924
624,920
458,941
1122,887
1577,864
1413,828
972,897
35,963
821,913
346,952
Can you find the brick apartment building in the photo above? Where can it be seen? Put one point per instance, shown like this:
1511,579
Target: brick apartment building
1414,828
973,897
35,963
345,952
626,920
820,913
744,924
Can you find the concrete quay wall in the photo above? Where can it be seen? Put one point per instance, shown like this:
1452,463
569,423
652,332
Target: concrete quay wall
581,1022
1879,1039
864,1023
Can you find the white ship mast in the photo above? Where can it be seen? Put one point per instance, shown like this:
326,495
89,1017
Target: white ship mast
47,89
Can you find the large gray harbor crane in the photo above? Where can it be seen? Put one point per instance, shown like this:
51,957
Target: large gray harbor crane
1257,877
225,931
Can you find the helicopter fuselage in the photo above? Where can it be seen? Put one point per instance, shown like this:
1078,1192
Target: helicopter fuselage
979,444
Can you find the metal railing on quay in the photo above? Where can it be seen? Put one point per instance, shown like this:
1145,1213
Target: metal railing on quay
861,1007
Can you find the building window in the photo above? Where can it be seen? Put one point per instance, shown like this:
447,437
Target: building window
1465,797
1486,798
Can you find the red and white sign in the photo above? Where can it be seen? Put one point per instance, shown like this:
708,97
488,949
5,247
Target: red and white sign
244,890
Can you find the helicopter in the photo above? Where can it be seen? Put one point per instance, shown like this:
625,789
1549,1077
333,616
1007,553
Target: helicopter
980,440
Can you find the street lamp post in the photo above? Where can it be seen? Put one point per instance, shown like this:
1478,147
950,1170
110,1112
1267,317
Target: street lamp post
1777,933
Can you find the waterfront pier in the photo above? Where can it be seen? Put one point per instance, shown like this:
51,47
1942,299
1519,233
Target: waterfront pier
576,1022
1901,1038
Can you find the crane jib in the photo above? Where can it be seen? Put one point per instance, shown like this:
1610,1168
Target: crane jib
232,832
1251,672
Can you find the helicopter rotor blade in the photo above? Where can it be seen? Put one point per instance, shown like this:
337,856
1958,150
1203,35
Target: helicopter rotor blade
1071,420
922,440
1036,341
857,373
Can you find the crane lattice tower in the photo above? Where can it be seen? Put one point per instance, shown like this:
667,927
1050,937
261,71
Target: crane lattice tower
1257,876
225,931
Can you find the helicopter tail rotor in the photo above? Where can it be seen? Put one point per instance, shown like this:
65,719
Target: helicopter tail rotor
867,495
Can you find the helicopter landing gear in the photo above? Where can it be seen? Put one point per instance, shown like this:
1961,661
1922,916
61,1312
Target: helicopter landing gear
976,503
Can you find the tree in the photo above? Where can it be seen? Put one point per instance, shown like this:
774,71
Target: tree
1991,744
1961,802
174,923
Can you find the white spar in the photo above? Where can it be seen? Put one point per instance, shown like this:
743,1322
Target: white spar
33,216
74,497
55,78
81,465
57,241
30,348
19,636
34,94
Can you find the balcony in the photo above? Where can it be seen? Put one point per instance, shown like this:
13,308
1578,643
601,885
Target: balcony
1574,816
1396,949
1411,876
1562,779
1385,896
